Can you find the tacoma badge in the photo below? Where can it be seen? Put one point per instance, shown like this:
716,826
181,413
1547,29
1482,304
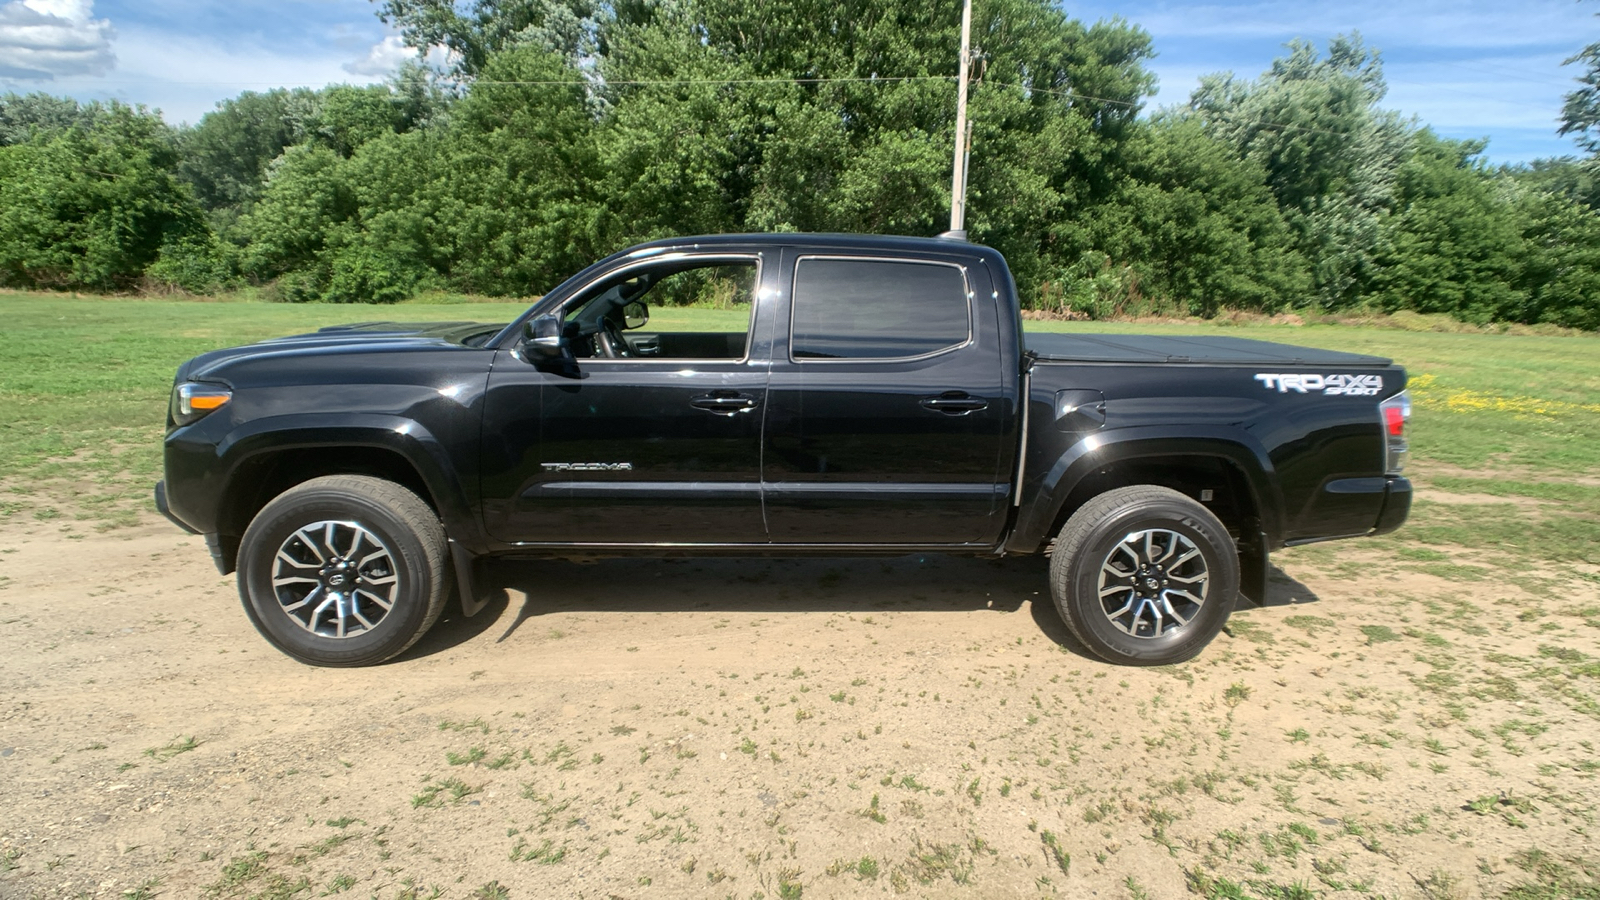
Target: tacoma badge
589,467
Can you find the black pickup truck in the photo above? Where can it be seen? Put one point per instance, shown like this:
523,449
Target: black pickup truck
843,395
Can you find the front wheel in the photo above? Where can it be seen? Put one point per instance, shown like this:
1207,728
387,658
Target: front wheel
344,570
1144,576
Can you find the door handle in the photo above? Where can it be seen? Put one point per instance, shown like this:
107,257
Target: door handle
724,403
954,403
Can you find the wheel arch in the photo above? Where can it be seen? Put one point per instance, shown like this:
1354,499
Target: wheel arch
1236,469
264,464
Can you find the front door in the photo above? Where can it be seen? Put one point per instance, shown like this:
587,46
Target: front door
655,438
887,410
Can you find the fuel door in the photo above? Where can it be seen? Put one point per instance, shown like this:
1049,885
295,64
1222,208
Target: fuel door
1080,410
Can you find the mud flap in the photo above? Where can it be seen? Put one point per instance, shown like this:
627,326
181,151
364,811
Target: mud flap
468,584
1253,565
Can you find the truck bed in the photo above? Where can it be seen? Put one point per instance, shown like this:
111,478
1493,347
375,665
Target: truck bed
1143,348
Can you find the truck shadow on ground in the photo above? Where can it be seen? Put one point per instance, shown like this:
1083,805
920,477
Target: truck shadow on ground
1284,589
522,590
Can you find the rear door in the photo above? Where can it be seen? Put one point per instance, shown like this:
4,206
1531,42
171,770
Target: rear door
886,404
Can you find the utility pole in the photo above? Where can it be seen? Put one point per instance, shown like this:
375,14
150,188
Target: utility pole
958,177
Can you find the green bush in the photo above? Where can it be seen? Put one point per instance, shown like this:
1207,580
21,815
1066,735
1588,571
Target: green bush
577,131
91,205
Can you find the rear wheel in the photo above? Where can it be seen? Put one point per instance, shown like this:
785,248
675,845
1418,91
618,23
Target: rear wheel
345,570
1144,576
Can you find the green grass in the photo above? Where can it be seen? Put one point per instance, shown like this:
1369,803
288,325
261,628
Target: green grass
1513,401
84,384
177,745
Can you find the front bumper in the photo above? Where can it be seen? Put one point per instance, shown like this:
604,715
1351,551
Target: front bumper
165,510
220,555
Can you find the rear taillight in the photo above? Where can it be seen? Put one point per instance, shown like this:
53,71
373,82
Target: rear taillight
1394,412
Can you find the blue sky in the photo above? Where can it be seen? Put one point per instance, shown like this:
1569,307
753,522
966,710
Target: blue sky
1467,68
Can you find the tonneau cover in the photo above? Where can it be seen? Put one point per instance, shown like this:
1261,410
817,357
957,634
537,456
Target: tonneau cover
1145,348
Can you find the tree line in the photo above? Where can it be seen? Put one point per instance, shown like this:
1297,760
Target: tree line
562,130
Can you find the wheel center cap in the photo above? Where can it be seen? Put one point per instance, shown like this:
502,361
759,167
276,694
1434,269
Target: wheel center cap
336,580
1151,583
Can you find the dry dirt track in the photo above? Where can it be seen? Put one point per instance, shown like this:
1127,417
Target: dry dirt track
741,728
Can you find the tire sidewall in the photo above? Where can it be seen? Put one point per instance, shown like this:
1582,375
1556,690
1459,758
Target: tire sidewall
291,512
1215,545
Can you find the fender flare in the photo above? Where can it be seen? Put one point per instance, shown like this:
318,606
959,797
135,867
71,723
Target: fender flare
404,437
1095,451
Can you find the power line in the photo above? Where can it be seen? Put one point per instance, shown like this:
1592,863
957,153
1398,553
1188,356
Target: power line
1502,72
862,79
560,81
1074,95
1068,94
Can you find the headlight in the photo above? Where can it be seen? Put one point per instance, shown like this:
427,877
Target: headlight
192,402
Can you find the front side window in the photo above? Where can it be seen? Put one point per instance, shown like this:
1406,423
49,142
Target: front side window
685,309
877,309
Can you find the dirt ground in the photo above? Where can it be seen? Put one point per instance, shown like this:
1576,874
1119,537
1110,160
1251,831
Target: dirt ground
778,729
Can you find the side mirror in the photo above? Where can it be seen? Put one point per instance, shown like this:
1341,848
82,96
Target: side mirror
542,338
635,315
544,344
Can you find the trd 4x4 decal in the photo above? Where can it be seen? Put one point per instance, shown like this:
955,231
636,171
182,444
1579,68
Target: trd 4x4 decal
1327,385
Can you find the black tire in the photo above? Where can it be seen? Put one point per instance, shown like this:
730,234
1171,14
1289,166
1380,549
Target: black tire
1101,548
396,554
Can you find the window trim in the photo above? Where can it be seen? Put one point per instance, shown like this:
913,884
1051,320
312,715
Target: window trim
750,329
794,297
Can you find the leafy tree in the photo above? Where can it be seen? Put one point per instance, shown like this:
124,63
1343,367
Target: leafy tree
1561,273
1056,103
1331,155
498,200
575,128
813,115
1199,225
1300,118
713,116
519,181
474,30
1574,179
342,117
1453,245
22,115
1580,115
226,154
304,214
92,205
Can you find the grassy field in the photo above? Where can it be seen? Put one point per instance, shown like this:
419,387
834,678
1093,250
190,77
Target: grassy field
84,385
1500,418
1418,717
84,381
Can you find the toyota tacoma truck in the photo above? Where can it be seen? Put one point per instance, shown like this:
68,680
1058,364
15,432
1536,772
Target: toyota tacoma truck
829,395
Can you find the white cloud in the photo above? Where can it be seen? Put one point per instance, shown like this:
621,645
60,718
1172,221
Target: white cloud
41,39
384,57
184,75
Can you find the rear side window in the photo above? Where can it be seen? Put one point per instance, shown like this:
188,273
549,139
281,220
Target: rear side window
877,309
